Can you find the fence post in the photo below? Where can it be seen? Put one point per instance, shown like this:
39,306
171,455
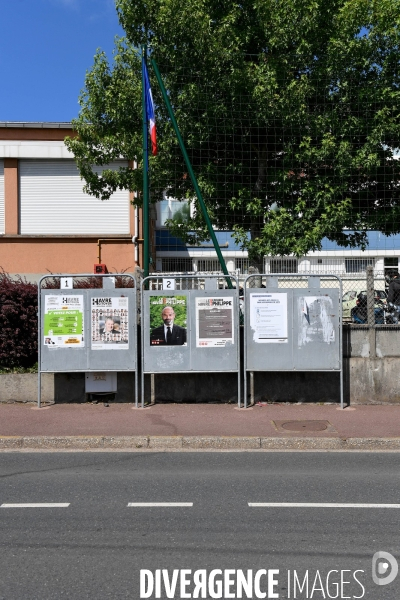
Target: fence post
371,311
254,282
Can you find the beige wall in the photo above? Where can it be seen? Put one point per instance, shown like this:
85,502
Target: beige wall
64,255
11,195
35,133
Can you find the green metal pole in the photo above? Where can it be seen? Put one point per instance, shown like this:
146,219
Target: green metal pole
146,229
191,173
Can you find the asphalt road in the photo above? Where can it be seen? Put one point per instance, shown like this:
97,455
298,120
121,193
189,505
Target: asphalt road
96,545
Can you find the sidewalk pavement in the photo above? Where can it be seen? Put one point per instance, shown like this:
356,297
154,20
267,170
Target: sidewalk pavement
198,427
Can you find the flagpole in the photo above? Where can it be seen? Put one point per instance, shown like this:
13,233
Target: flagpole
146,230
191,173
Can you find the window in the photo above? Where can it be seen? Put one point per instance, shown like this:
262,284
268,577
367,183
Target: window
358,265
325,265
53,201
380,294
177,265
243,265
391,264
352,295
169,208
283,265
209,264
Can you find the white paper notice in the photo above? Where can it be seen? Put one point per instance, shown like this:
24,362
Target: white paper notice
269,318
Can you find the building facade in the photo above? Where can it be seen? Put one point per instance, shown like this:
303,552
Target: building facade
383,253
47,223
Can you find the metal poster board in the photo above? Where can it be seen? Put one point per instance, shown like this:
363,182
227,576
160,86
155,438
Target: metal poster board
295,327
91,329
189,330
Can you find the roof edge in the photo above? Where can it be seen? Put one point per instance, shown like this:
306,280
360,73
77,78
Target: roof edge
36,124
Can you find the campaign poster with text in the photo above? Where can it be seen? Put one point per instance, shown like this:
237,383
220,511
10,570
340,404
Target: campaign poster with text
168,320
214,322
110,323
63,321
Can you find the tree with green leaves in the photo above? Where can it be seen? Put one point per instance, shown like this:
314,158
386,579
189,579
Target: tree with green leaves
289,110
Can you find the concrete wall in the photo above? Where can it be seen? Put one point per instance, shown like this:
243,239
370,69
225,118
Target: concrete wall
372,364
24,387
371,367
380,342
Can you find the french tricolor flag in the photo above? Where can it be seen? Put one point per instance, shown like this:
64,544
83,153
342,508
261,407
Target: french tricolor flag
150,114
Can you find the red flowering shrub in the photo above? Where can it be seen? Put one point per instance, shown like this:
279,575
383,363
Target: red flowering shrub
18,322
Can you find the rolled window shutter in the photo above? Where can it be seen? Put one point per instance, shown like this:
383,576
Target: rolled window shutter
52,201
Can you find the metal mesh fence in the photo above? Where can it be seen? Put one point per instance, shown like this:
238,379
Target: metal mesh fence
297,163
364,295
190,281
288,157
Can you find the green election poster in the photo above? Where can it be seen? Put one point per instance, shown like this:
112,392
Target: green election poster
63,321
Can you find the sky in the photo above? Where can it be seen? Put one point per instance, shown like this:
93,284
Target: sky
46,47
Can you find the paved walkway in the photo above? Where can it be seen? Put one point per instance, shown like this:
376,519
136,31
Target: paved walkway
199,426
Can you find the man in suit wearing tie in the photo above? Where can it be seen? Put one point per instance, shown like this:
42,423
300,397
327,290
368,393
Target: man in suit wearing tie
168,334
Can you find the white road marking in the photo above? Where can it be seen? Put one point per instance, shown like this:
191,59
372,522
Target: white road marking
37,505
156,504
318,505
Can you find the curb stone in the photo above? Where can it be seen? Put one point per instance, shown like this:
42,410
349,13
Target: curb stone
220,443
10,443
378,443
305,443
62,443
166,443
126,442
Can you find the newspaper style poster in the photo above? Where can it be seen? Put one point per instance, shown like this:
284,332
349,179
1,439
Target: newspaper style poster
214,322
269,318
110,323
168,320
63,321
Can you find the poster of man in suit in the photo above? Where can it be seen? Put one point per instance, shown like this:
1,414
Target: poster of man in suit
168,321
